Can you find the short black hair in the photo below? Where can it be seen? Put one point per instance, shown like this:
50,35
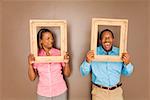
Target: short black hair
105,30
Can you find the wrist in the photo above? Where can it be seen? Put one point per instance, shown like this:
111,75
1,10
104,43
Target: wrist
126,63
30,64
66,62
88,61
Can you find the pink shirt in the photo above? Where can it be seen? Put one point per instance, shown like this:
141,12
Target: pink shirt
51,82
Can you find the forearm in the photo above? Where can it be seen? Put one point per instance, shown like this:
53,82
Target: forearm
127,69
67,70
31,72
85,68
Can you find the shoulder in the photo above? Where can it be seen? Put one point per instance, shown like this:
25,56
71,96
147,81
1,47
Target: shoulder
41,52
99,48
116,50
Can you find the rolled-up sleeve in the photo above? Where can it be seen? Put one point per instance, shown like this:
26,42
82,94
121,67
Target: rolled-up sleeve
85,68
35,65
127,69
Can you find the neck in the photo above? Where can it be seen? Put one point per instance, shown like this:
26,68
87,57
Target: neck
46,49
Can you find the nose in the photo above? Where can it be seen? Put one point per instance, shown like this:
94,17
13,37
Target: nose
107,40
50,40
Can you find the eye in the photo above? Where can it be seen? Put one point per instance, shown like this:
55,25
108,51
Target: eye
50,39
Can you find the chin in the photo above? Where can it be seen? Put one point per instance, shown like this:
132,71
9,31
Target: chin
49,47
107,49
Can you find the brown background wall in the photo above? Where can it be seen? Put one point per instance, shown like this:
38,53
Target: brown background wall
149,39
0,50
15,43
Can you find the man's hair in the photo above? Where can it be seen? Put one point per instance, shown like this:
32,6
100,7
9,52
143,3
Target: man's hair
105,30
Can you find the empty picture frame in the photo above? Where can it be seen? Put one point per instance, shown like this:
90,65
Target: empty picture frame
34,25
123,24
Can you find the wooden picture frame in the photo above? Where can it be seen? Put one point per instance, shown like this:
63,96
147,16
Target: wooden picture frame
123,23
33,39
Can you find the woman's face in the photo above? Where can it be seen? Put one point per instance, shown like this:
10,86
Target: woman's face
47,40
107,41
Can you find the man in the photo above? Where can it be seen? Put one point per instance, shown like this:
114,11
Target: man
106,75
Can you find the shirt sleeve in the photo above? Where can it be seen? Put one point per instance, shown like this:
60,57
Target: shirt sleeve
35,65
127,69
63,64
85,68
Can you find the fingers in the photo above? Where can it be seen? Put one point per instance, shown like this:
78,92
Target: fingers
126,58
66,54
66,57
31,58
90,56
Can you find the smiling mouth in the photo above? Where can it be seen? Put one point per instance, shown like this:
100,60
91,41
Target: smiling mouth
107,45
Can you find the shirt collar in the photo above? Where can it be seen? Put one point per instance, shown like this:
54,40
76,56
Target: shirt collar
104,52
42,52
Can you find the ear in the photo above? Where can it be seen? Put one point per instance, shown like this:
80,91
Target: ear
113,40
99,41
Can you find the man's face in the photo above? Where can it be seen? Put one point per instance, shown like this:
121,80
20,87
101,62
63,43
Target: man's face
107,40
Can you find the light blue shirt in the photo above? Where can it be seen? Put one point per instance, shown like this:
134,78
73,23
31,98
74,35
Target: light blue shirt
106,73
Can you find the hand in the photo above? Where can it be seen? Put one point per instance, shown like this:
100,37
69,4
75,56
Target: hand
90,56
66,57
31,59
126,58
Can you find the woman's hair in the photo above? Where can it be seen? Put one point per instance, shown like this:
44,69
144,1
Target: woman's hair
40,36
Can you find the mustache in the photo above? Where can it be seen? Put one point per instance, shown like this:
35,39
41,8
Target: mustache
107,42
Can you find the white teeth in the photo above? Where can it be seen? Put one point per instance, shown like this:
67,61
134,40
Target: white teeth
107,43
